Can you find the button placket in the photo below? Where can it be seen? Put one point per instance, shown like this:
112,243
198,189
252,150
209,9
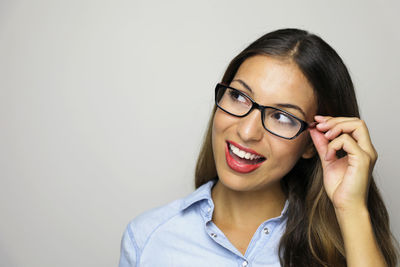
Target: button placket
215,235
266,230
207,212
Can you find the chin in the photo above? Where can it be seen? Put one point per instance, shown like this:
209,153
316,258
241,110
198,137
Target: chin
235,182
241,183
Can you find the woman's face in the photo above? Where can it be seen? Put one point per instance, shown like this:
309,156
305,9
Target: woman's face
276,83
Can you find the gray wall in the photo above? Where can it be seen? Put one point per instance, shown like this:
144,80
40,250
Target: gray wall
103,105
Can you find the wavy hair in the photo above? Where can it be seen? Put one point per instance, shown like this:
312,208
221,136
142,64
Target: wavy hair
312,236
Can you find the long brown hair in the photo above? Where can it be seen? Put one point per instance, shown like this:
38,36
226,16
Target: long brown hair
312,236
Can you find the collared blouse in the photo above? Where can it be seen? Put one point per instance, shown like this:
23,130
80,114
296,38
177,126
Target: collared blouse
182,234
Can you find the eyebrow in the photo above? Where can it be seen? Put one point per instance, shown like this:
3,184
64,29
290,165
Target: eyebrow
280,105
243,83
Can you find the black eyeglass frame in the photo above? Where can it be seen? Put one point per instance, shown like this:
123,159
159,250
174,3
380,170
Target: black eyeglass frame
304,125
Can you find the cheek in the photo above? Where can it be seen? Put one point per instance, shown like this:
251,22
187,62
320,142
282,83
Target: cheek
288,152
217,127
221,122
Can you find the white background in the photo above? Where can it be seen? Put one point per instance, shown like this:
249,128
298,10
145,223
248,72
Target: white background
103,105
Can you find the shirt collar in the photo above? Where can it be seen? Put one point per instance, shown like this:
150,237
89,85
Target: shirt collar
203,192
285,208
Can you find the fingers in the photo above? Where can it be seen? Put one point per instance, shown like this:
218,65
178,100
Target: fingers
335,126
352,126
345,142
320,143
327,149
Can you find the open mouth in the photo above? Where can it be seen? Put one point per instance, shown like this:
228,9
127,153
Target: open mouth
241,159
244,157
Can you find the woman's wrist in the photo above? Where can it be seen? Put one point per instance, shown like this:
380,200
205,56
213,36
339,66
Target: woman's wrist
350,217
345,213
358,236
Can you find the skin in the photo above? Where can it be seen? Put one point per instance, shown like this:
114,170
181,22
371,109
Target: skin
346,180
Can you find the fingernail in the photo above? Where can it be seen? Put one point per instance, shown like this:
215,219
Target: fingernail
319,117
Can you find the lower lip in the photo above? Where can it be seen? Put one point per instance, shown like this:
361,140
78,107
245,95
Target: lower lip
239,166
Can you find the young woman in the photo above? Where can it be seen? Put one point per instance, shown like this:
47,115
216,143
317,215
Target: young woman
284,176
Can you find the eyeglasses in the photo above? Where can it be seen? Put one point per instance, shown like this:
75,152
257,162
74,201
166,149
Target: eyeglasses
276,121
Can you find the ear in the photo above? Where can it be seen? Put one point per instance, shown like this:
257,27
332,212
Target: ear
310,150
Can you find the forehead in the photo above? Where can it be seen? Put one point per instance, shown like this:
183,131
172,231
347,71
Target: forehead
274,81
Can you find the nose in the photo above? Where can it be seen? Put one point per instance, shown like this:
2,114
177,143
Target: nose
250,127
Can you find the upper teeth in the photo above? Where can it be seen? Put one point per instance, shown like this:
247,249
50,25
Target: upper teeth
243,154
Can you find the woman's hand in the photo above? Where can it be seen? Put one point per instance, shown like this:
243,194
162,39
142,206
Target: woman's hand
346,180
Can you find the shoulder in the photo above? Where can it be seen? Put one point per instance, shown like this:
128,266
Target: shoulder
140,230
142,226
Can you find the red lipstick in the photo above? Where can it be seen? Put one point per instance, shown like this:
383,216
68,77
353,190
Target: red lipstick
238,165
244,148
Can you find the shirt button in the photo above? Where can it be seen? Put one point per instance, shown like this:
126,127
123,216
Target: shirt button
209,209
214,235
244,264
266,231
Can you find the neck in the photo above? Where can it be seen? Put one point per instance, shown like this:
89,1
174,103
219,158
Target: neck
246,209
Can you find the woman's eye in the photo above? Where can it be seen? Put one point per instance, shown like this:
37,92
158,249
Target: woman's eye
237,97
283,118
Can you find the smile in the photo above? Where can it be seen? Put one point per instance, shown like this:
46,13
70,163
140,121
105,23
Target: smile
242,159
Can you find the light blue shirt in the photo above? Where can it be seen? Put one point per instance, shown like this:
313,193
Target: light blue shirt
182,234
